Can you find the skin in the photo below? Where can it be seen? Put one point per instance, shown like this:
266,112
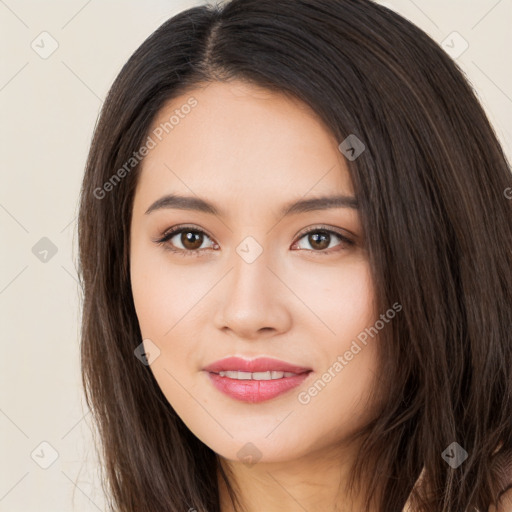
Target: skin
250,151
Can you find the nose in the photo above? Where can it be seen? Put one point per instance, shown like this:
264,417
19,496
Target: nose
254,300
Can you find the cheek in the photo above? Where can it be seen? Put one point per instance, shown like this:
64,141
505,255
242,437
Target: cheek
343,303
168,297
341,297
162,293
149,297
164,300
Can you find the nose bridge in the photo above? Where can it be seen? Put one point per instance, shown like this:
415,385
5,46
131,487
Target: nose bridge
252,300
251,274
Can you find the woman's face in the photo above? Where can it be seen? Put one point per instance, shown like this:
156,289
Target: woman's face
247,280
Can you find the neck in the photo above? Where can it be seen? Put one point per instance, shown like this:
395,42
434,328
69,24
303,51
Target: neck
315,483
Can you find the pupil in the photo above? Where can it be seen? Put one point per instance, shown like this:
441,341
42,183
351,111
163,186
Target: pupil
324,243
189,241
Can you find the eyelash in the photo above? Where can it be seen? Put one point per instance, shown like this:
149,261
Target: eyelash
196,252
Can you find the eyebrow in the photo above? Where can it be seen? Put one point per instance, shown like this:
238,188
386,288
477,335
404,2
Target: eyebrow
301,206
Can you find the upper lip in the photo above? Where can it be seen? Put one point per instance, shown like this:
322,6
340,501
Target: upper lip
261,364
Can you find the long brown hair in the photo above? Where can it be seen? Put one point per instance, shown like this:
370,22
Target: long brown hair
432,188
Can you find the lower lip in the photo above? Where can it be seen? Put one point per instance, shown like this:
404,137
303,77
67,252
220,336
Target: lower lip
255,391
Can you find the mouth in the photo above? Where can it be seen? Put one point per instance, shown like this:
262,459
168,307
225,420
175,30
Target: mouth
270,375
255,380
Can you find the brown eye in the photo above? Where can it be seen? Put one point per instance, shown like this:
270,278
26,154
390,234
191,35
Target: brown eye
188,241
191,239
319,239
184,240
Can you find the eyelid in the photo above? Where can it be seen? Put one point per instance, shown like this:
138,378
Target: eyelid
324,227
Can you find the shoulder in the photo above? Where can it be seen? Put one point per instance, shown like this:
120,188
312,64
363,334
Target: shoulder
503,465
505,502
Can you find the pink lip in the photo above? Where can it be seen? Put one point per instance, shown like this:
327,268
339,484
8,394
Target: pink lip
255,391
261,364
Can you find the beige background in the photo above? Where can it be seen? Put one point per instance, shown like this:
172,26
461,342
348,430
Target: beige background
49,108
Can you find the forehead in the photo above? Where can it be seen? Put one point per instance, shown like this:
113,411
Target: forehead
237,140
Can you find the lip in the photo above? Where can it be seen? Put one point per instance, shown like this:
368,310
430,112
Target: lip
261,364
255,391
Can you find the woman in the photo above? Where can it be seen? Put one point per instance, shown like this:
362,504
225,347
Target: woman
295,248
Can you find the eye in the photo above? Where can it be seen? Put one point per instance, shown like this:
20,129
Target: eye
320,239
189,240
